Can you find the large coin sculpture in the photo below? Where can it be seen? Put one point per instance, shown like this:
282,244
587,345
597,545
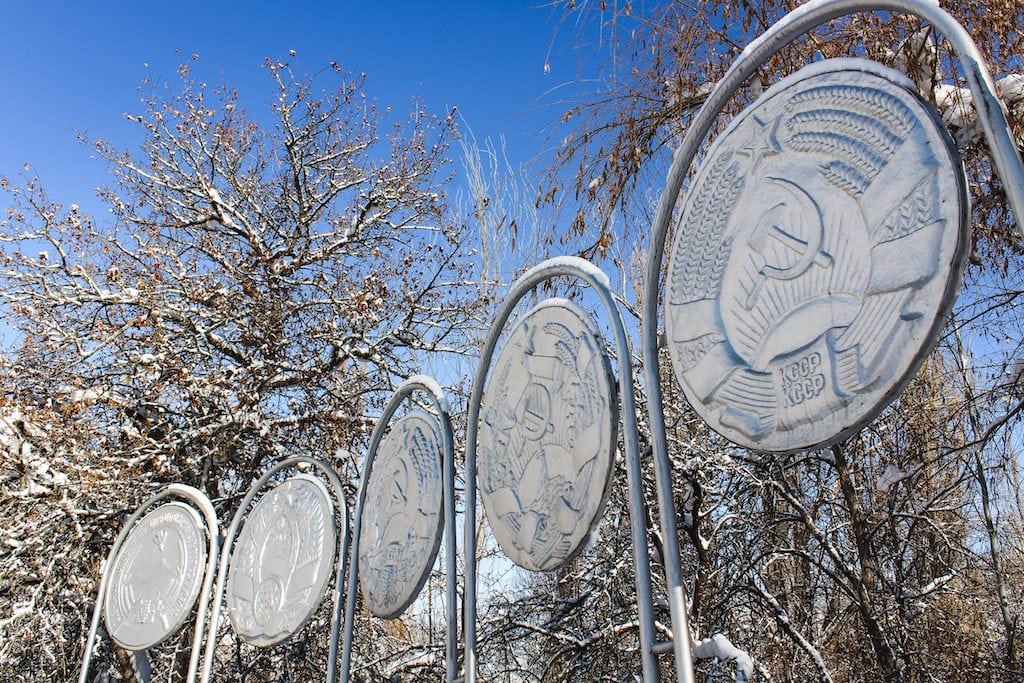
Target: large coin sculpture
820,246
282,561
548,429
156,577
402,522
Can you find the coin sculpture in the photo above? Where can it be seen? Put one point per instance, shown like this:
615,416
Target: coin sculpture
155,577
282,561
547,436
819,249
402,521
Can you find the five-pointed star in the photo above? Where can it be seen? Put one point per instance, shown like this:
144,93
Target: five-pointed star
763,142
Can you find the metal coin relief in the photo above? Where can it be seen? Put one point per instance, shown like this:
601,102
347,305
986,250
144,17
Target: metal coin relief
156,577
819,248
282,561
547,436
402,520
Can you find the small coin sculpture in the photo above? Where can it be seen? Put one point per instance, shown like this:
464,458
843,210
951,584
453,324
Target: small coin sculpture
156,577
820,246
402,520
282,561
549,421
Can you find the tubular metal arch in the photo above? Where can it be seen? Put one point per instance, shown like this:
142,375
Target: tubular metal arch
598,281
430,387
201,503
232,535
793,25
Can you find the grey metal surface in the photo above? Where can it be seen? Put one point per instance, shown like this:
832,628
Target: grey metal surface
281,564
155,578
402,520
818,252
197,500
429,387
805,18
590,274
339,509
549,423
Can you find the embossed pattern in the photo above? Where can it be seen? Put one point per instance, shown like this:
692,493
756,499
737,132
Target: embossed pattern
156,577
817,253
547,436
282,561
402,521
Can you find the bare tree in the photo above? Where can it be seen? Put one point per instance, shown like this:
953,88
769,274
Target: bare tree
262,285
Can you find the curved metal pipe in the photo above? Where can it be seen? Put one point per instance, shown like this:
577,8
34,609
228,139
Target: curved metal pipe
790,27
229,543
598,281
429,386
199,500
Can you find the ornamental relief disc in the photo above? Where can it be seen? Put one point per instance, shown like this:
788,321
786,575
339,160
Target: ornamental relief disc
548,430
402,520
818,252
156,577
282,562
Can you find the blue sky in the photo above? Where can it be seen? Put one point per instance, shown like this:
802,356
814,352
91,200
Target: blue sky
76,66
70,67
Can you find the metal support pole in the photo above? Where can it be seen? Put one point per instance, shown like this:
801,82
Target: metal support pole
429,386
229,542
802,20
199,500
598,281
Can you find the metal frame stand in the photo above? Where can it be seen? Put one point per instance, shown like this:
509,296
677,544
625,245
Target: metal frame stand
202,504
802,20
649,646
229,542
430,387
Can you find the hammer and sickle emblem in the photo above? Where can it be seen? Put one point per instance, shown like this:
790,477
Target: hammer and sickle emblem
805,243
